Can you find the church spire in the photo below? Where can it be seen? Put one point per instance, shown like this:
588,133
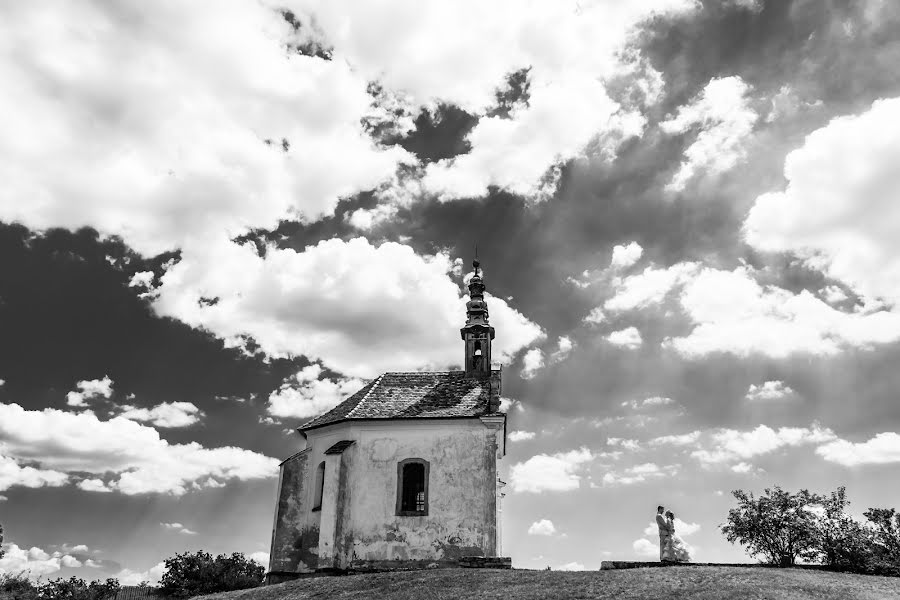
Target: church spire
477,333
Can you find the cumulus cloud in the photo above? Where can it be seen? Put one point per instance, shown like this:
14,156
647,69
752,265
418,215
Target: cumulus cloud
172,147
731,312
684,439
519,436
646,548
883,448
94,485
89,389
560,472
629,337
507,404
151,575
724,118
134,454
441,54
735,446
532,362
14,474
564,347
260,557
305,395
167,415
571,566
841,191
360,309
625,256
178,528
681,527
34,562
595,317
769,391
543,527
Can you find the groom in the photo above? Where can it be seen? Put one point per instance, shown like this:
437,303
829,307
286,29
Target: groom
664,533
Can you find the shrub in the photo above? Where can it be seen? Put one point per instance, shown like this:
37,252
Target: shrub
78,589
199,573
17,587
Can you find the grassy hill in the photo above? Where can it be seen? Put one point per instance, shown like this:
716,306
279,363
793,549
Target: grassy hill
702,583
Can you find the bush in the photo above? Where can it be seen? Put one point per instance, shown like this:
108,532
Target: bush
17,587
199,573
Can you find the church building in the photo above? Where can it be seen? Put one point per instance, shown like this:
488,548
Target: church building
401,474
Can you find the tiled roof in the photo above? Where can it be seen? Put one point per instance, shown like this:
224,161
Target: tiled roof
415,395
135,592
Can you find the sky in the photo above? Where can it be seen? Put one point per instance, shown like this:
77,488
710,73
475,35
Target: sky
219,218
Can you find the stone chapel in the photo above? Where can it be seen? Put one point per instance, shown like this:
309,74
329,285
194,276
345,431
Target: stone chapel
403,473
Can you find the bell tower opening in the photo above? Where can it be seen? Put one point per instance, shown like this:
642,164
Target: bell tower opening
477,333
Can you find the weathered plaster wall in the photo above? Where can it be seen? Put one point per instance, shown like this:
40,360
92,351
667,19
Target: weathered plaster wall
289,553
462,492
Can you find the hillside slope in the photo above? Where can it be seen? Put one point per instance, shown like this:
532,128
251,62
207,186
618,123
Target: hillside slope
703,583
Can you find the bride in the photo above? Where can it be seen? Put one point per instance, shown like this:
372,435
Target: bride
675,549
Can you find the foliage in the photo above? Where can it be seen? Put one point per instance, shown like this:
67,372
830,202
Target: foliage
885,546
779,526
78,589
20,587
17,587
199,573
841,540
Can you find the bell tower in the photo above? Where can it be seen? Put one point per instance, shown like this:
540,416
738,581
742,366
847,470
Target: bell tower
477,333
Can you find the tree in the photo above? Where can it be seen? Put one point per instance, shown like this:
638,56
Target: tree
778,525
841,540
2,551
885,524
199,573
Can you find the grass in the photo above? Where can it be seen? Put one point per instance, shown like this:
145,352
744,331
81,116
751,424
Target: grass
700,583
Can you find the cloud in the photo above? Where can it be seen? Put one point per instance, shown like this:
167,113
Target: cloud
648,287
638,474
151,575
507,404
519,436
630,445
722,114
532,362
571,566
14,474
305,395
168,415
731,445
260,557
882,449
646,548
564,348
769,391
94,485
629,337
567,111
684,439
731,312
178,528
89,389
560,472
595,317
172,148
543,527
625,256
34,562
360,309
134,454
841,191
682,528
652,402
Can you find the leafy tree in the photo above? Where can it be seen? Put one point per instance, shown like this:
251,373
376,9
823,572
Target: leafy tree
17,587
841,540
75,588
885,523
199,573
778,525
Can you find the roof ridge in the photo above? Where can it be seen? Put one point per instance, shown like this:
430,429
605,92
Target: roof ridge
366,397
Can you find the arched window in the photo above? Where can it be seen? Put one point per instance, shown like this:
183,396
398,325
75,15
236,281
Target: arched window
320,486
412,487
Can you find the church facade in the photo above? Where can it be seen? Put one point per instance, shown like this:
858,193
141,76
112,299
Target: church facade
402,473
